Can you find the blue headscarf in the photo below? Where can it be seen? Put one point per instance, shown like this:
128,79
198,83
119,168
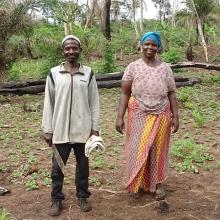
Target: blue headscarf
154,36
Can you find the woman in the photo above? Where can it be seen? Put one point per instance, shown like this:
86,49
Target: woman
148,91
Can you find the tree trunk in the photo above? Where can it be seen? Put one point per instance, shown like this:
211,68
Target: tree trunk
107,24
201,34
134,19
65,29
142,15
2,60
91,13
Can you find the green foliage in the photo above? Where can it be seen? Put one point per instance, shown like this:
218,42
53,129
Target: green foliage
4,214
199,117
97,163
94,181
184,94
31,183
29,69
109,62
173,55
189,156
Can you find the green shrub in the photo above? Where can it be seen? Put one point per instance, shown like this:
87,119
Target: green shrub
24,69
109,62
172,56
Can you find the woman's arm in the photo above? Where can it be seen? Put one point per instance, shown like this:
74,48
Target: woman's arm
125,95
174,110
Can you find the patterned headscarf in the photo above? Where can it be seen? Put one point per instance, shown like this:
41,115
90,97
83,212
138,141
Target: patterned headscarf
154,36
71,37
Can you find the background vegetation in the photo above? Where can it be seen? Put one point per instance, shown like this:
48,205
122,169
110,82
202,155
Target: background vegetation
32,30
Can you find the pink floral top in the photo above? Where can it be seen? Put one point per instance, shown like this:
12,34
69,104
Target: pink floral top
150,85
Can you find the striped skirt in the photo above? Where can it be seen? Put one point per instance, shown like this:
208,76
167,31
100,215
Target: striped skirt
147,144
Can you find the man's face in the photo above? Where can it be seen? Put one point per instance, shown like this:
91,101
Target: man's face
71,50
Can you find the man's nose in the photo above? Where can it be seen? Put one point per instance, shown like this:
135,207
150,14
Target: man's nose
71,50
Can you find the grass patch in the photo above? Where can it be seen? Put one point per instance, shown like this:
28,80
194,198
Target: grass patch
189,156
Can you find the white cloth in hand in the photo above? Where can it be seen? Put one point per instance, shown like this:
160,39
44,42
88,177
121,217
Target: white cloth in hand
94,142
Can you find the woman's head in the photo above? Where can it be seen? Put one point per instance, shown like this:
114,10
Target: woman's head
151,44
71,48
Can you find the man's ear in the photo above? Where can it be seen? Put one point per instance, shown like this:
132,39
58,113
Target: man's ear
61,49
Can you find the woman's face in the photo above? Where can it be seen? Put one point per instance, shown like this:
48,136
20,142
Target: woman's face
149,48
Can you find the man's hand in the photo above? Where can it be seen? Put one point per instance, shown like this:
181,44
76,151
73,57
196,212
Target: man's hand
48,138
120,125
93,132
175,124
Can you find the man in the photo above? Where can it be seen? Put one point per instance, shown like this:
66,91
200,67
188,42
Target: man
70,117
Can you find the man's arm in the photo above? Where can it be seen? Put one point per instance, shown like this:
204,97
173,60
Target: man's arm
48,109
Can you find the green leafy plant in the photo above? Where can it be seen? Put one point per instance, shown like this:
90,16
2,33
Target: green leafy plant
4,214
184,94
31,183
94,181
173,55
97,163
109,62
199,117
189,156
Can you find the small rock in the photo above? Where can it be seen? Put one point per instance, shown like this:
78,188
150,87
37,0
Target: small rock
3,191
164,206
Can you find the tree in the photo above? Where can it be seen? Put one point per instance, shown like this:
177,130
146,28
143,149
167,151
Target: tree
13,19
107,22
164,8
201,11
63,11
200,30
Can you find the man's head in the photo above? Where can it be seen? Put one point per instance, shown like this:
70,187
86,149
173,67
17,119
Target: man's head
71,48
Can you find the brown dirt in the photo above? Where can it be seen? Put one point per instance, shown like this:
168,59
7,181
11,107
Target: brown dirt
189,196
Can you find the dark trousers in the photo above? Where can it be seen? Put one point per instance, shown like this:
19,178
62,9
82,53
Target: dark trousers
81,173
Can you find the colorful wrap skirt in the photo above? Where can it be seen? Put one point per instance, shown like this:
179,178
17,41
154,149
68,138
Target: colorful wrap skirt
147,145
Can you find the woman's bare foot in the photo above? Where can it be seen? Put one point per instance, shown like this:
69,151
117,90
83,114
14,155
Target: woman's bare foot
160,192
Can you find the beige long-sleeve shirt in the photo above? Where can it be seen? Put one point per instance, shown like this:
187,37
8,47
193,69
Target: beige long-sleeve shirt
71,105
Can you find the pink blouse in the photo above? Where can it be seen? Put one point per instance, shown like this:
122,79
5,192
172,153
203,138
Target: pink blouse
150,85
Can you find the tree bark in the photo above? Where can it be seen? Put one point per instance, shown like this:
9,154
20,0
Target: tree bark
201,34
91,13
142,15
107,23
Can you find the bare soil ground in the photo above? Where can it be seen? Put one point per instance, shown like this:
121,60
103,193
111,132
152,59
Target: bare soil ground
25,163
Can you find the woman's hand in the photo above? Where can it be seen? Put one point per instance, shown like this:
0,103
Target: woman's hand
48,138
120,125
175,124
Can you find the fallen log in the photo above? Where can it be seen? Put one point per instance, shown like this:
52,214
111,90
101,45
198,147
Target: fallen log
22,84
101,84
196,65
